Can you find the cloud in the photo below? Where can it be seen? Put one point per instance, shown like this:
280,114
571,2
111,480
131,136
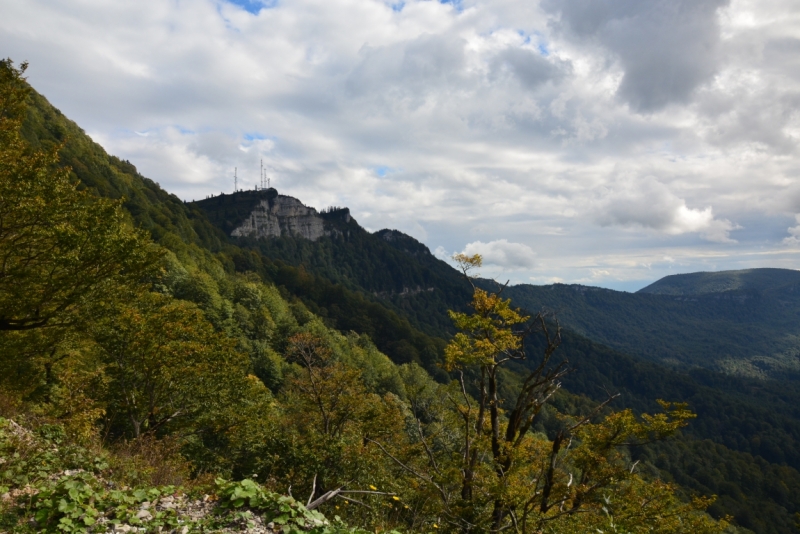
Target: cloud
794,234
650,204
666,48
528,66
501,253
412,68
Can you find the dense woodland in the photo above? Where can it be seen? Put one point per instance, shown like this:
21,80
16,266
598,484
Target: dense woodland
149,358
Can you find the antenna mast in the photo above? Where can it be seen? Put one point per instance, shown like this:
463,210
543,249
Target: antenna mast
235,181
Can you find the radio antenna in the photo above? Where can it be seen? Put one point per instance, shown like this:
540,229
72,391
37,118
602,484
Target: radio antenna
235,181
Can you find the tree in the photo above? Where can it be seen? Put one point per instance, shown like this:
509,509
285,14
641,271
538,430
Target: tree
166,365
330,411
476,455
490,338
329,390
61,248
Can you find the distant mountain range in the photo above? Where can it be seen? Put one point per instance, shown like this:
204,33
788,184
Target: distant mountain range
756,281
737,322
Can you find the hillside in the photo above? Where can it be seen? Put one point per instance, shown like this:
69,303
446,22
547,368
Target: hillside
750,327
757,281
723,403
358,283
388,266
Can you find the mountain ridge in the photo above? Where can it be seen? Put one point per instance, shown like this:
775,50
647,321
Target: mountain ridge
747,329
750,280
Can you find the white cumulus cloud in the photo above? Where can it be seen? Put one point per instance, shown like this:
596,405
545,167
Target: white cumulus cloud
650,204
501,253
794,234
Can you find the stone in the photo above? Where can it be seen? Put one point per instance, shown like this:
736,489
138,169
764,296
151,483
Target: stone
144,515
282,215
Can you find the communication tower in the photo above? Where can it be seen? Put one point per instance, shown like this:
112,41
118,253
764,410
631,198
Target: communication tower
261,176
265,179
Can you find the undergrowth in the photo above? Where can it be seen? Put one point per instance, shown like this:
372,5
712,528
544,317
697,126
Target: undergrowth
50,485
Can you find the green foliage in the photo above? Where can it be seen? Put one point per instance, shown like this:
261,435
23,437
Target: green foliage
60,248
165,363
30,459
477,467
752,280
281,510
75,503
347,310
41,494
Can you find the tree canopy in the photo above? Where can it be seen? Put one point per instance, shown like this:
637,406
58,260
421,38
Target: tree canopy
60,247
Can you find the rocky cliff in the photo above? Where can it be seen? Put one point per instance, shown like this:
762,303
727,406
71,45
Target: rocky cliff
282,215
265,213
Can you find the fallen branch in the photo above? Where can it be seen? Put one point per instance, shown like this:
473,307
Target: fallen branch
325,498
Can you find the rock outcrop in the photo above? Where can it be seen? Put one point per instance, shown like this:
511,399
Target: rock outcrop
282,215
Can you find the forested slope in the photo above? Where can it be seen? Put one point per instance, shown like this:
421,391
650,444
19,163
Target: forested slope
749,330
745,415
764,280
386,266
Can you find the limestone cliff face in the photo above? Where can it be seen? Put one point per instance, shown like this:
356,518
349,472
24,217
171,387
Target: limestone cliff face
282,215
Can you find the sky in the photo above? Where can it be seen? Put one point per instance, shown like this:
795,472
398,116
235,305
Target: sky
600,142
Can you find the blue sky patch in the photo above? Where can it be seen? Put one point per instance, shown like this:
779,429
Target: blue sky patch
382,170
254,136
543,49
456,4
253,6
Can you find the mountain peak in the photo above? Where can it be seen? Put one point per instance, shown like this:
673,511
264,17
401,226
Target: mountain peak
266,213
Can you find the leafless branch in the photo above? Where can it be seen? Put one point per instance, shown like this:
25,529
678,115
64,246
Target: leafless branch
354,501
313,490
324,498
